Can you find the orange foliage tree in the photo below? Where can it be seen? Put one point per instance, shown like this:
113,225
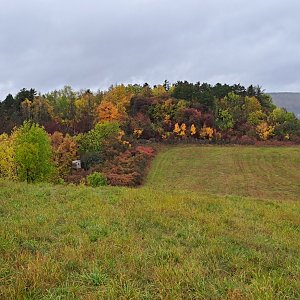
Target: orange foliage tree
115,103
107,111
65,151
206,132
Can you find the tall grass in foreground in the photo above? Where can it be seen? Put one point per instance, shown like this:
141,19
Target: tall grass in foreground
65,242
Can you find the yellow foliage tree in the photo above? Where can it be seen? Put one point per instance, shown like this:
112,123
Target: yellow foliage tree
7,157
120,97
183,129
26,109
167,120
264,131
251,105
159,91
176,128
138,133
193,129
206,132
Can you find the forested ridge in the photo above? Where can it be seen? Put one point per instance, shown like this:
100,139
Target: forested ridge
107,130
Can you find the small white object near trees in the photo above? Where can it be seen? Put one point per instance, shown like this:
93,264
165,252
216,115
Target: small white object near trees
76,164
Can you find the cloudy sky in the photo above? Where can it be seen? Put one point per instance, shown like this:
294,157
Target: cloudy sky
46,44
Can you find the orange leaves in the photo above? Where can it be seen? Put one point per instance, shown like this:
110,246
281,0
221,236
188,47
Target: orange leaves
206,132
107,111
65,150
138,133
176,129
114,104
264,131
182,129
193,130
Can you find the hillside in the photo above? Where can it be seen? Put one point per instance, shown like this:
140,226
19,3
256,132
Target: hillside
189,233
291,101
271,173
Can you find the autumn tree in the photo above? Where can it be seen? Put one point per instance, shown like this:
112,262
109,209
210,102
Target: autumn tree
251,104
7,157
108,111
160,91
64,109
65,151
119,98
284,122
193,130
264,131
26,109
41,110
206,132
86,111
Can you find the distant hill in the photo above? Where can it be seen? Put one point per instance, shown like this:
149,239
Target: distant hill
291,101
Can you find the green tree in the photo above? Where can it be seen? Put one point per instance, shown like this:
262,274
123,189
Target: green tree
33,153
63,104
255,118
224,120
92,141
92,144
284,122
24,94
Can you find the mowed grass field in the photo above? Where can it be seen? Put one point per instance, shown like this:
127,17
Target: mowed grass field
209,223
265,172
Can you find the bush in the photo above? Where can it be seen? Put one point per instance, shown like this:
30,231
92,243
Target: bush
148,151
247,140
130,167
96,179
76,176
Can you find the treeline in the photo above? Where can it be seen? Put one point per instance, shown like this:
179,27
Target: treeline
102,129
231,111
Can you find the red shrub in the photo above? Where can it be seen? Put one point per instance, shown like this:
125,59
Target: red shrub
149,151
132,179
128,168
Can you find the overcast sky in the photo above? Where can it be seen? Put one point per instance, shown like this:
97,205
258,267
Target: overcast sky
46,44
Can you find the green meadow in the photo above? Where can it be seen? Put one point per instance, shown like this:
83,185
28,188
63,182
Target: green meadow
209,223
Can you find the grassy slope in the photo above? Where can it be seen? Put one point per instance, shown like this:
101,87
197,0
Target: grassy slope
150,243
267,172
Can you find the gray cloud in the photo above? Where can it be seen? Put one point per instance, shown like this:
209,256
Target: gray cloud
46,44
